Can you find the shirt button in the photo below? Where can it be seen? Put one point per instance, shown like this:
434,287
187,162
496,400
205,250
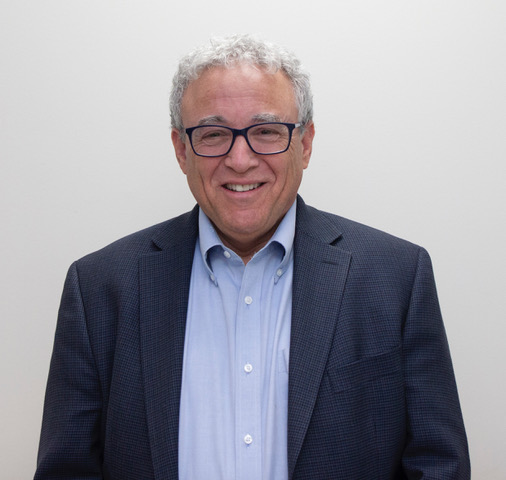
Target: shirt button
279,272
226,253
248,439
248,300
248,368
212,278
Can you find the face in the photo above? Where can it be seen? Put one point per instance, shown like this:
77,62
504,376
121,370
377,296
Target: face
245,195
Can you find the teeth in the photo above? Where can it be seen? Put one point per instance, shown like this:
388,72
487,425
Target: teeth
242,188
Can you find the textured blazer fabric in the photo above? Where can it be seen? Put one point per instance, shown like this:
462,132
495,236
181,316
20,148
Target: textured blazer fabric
372,394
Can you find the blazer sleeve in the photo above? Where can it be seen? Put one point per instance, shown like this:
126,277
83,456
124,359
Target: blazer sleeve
70,445
436,445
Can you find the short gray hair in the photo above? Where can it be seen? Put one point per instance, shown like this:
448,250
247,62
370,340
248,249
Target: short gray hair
230,51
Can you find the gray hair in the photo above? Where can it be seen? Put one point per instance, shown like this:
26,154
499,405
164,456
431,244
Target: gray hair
230,51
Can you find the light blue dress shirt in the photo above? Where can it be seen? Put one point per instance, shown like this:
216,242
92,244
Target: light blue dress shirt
234,395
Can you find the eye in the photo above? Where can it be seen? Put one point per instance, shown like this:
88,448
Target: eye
267,133
211,135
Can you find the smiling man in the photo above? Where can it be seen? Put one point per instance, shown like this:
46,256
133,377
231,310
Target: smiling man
254,337
242,185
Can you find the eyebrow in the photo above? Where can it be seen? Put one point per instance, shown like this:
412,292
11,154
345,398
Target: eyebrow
211,120
266,117
258,118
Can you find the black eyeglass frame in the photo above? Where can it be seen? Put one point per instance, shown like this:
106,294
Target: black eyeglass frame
242,132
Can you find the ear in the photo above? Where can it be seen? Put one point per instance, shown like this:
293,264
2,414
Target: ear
307,143
179,149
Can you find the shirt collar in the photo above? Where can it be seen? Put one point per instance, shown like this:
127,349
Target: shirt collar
284,235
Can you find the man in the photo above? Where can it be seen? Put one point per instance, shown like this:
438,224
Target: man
254,337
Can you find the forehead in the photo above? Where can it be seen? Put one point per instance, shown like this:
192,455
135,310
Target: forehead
237,94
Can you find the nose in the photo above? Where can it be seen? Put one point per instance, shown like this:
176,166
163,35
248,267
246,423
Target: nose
241,158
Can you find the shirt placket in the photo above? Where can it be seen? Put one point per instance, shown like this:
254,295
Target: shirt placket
248,372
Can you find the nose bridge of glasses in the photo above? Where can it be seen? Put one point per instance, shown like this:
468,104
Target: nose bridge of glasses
236,136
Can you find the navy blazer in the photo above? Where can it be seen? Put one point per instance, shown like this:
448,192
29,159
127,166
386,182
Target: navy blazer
371,395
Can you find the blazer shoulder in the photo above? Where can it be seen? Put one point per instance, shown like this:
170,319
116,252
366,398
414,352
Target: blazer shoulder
367,245
182,229
314,221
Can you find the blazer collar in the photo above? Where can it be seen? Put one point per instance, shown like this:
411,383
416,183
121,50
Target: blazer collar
318,225
182,230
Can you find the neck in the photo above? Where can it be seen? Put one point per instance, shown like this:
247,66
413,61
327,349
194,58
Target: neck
248,246
245,251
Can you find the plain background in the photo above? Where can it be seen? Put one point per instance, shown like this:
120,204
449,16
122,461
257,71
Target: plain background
410,112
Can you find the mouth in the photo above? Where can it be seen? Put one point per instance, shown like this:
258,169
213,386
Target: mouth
234,187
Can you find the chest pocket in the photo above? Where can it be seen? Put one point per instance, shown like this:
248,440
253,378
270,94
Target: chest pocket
366,370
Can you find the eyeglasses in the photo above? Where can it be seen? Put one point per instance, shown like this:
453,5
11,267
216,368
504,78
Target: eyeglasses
263,138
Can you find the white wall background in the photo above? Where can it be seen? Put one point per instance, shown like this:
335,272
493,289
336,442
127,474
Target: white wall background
410,101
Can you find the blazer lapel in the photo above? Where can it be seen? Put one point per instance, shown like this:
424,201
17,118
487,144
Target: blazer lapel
320,272
164,280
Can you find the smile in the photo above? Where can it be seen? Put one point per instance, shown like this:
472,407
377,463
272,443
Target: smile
242,188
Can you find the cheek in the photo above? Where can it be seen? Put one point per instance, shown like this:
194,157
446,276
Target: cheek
294,168
200,174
